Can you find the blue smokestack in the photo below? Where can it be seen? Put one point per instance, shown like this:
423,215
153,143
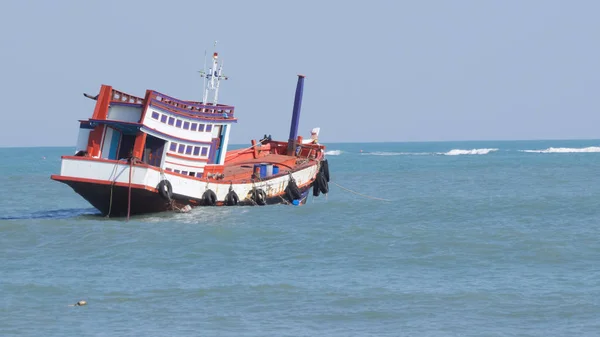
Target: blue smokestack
295,116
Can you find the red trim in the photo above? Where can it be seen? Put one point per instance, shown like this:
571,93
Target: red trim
146,105
101,182
138,147
187,158
95,141
103,102
170,162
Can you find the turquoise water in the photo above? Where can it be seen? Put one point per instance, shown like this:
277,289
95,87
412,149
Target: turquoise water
478,239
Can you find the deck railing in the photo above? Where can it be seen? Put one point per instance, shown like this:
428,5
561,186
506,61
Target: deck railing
207,110
121,97
194,108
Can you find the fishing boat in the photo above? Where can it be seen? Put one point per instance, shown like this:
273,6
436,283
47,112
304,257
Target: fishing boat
157,153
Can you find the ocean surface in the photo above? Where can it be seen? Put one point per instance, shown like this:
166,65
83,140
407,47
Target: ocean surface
470,239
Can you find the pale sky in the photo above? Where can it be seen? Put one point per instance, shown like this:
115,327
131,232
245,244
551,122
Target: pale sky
375,70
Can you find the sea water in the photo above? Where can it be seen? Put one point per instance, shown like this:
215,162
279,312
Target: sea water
413,239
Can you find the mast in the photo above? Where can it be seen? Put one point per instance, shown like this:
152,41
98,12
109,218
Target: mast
295,116
212,79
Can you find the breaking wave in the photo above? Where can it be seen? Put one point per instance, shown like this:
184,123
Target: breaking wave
333,152
453,152
565,150
457,152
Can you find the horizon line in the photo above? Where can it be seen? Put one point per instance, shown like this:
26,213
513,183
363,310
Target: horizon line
359,142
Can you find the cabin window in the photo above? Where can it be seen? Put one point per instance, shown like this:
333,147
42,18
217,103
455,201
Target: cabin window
196,150
204,151
178,124
184,173
199,175
181,148
153,151
155,115
168,169
163,118
208,127
200,127
173,146
171,120
186,125
192,174
194,126
177,171
188,150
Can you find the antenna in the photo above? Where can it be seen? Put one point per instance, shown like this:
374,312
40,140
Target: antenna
202,74
213,76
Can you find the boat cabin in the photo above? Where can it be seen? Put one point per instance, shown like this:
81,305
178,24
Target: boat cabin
177,136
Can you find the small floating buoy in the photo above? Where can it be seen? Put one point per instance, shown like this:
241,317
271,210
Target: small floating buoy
296,202
78,304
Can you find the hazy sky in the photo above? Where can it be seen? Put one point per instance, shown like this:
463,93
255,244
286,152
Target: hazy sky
375,70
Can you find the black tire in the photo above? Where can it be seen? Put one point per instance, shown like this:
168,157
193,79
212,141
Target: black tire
165,190
292,191
315,186
325,169
316,189
232,198
323,186
259,196
209,198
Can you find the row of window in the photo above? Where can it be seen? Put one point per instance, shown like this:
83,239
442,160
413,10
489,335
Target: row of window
178,123
191,174
190,150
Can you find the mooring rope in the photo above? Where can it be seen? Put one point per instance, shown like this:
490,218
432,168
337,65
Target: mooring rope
362,195
129,195
112,185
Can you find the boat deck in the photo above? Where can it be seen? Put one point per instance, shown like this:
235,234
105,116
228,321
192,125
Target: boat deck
244,169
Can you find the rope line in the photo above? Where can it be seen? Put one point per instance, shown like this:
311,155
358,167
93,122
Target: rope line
112,185
362,195
129,196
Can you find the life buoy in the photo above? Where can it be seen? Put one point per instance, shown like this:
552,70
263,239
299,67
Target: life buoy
325,169
292,191
232,198
209,197
165,190
259,196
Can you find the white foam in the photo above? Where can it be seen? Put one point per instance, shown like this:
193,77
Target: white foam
565,150
333,152
457,152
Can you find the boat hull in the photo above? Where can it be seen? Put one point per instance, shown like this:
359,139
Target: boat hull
115,201
119,188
